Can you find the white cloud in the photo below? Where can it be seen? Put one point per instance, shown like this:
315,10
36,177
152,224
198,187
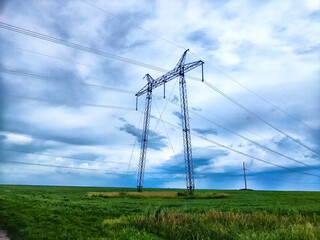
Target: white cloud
59,159
17,139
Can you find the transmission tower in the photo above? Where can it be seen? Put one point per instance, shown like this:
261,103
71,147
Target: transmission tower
244,176
179,71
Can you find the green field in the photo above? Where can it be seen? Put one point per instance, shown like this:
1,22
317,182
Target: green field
39,212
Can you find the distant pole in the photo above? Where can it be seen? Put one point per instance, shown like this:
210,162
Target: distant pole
244,175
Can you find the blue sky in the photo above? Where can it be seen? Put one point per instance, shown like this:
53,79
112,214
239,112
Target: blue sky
270,47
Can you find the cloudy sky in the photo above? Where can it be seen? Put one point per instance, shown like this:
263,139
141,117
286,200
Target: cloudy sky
75,109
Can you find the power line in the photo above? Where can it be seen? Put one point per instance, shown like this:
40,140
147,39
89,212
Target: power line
137,26
90,85
96,169
131,92
78,47
241,153
134,144
217,69
78,144
115,172
58,156
164,126
54,57
112,56
104,106
83,48
250,156
245,129
281,110
58,166
68,103
264,175
167,101
231,149
249,140
258,117
258,96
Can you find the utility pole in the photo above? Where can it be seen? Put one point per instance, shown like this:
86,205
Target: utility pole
244,175
179,71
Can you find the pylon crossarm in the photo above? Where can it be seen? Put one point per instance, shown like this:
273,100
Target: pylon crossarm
149,79
142,91
189,66
170,75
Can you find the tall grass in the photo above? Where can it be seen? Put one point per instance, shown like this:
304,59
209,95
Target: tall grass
219,225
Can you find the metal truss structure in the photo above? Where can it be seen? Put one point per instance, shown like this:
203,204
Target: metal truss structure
179,71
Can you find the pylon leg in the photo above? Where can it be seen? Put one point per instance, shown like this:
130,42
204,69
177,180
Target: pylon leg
186,135
144,140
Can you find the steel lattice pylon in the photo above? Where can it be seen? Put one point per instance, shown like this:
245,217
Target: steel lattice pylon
179,71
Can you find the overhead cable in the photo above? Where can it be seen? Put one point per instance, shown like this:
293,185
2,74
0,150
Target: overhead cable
90,85
258,117
57,156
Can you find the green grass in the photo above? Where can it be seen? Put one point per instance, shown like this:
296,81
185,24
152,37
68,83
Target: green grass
38,212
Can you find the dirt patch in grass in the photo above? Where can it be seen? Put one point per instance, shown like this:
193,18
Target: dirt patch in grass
157,195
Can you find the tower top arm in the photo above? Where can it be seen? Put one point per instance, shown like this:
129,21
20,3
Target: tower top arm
176,72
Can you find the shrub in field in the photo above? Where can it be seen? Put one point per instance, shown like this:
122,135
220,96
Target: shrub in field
180,194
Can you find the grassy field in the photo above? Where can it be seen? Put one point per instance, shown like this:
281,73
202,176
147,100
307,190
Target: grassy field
38,212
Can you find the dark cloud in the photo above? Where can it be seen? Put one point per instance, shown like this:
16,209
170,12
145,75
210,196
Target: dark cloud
72,136
110,73
196,109
206,132
32,146
314,137
203,39
2,137
88,156
122,119
120,27
285,143
156,141
178,114
310,50
202,157
175,99
315,15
